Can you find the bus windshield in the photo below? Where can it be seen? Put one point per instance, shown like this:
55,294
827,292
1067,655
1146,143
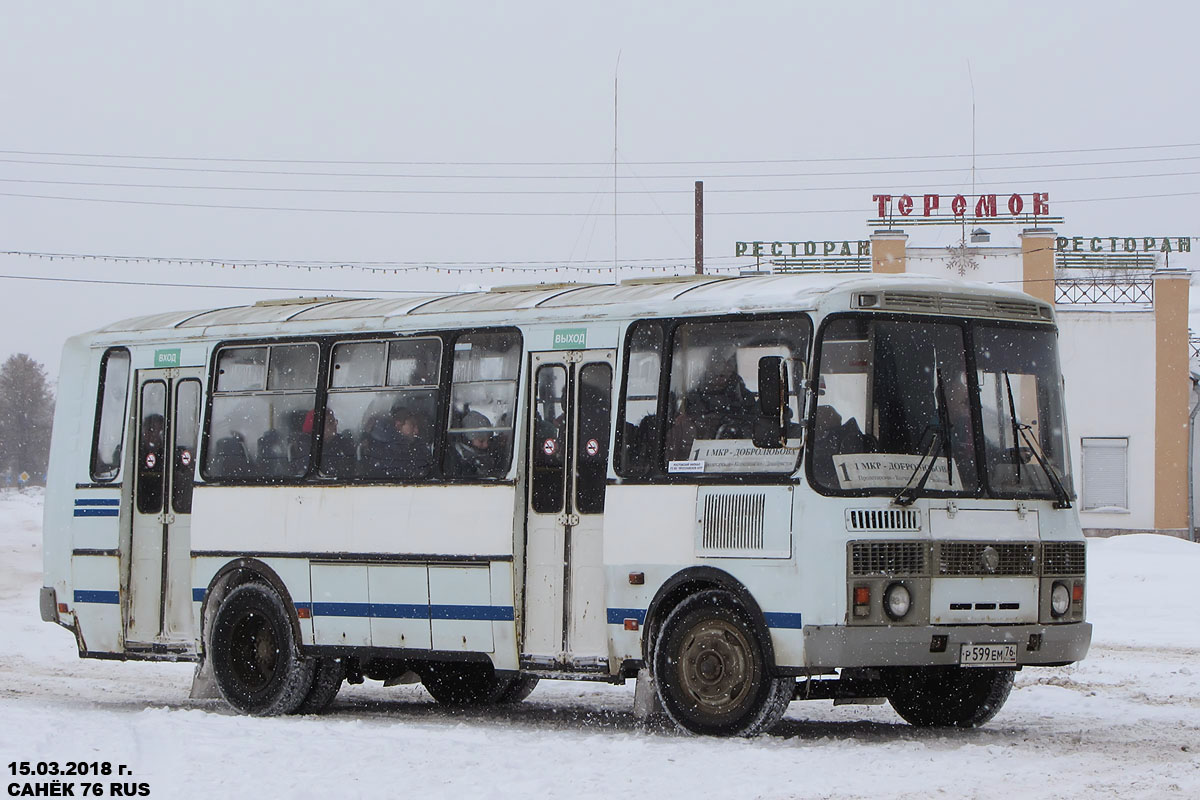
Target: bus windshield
894,409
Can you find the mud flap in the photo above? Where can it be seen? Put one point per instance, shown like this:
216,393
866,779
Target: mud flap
646,706
204,683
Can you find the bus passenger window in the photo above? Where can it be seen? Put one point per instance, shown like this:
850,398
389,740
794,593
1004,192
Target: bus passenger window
639,427
110,416
591,446
714,394
381,410
263,397
482,404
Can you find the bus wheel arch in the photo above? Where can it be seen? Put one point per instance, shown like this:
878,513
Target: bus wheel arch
712,673
253,644
693,580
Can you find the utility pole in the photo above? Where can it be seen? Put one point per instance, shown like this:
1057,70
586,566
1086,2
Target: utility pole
699,227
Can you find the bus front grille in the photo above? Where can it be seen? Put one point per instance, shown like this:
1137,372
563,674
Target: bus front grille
887,558
1064,558
883,519
986,558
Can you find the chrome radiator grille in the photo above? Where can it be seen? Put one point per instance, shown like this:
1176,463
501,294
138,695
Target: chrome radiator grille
890,558
1064,558
986,558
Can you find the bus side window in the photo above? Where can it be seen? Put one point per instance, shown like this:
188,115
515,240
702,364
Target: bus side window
482,404
638,428
262,398
110,415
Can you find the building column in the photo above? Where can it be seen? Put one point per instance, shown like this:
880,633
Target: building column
888,250
1037,260
1171,386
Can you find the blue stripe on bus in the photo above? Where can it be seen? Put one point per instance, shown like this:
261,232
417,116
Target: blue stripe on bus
98,501
198,595
97,512
494,613
96,596
413,611
780,619
617,616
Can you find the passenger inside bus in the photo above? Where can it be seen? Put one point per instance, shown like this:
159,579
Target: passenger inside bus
718,407
473,453
394,447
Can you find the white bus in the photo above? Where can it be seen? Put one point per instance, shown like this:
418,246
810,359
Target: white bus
741,491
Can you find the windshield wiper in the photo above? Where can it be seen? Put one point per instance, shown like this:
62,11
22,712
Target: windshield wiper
910,491
939,441
1022,431
1012,417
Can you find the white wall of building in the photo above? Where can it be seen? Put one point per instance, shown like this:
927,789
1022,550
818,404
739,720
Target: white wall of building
1108,365
1001,265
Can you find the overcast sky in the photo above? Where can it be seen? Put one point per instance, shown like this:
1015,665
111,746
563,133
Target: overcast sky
498,122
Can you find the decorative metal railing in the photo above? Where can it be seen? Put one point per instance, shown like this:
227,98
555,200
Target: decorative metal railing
1107,291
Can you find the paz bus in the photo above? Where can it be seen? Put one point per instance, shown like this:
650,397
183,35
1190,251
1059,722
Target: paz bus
738,491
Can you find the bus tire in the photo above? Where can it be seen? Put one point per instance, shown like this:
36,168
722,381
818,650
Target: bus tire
947,696
256,659
328,674
711,672
469,684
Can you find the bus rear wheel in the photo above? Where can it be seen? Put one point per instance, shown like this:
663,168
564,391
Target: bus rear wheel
473,684
255,656
710,670
947,696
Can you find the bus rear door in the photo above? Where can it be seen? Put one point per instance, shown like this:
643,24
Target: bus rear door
158,610
569,424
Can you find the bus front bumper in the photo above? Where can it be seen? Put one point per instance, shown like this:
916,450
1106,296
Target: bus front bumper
832,646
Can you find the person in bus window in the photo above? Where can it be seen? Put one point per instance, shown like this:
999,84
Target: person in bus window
718,407
474,455
337,449
395,448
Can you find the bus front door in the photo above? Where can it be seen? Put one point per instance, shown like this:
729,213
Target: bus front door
567,462
157,554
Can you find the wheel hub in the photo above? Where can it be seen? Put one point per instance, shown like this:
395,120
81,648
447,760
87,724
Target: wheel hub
716,666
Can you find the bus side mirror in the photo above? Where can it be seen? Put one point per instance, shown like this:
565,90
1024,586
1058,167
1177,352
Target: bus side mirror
770,429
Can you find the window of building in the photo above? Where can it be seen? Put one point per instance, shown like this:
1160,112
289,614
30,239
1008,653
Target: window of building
1105,474
110,415
483,400
262,410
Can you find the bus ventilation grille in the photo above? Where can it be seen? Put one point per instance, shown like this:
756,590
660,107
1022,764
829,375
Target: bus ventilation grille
961,305
887,558
1064,558
969,558
733,521
883,519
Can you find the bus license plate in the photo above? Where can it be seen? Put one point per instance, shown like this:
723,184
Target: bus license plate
988,655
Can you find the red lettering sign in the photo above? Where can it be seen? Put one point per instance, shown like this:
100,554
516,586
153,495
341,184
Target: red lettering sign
1015,204
905,205
958,205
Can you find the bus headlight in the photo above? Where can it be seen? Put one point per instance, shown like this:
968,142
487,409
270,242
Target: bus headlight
1060,599
897,601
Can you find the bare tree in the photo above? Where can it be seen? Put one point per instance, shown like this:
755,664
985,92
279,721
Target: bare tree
26,414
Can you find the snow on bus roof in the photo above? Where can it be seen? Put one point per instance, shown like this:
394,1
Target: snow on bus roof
674,294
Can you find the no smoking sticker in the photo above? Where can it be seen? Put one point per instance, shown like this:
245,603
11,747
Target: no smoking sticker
550,446
592,447
185,458
151,460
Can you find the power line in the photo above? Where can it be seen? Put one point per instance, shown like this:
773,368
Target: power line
131,157
772,189
428,213
440,176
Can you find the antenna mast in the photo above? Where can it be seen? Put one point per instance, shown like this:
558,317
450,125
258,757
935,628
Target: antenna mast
616,72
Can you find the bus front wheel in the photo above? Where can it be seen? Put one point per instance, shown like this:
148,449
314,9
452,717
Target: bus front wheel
710,670
255,656
947,696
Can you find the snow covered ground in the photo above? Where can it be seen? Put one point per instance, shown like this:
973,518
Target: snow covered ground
1124,723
